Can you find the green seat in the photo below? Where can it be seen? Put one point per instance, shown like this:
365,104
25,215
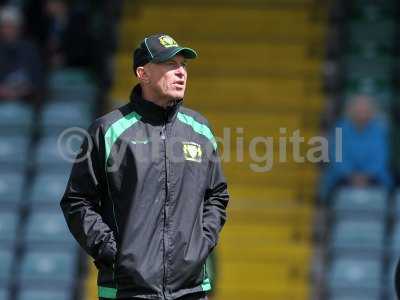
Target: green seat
66,78
72,85
385,5
64,114
354,274
57,153
48,188
363,66
383,32
14,152
369,50
372,12
3,294
355,201
11,188
369,85
352,235
6,259
35,294
9,220
46,268
48,227
15,118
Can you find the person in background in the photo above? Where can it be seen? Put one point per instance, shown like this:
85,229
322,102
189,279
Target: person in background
21,75
63,31
365,149
56,12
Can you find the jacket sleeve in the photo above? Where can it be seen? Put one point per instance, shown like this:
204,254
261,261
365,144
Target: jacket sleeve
82,200
215,201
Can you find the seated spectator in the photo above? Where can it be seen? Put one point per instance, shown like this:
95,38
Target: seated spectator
365,149
63,31
21,75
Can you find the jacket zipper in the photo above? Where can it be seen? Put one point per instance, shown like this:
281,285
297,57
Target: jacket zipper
164,138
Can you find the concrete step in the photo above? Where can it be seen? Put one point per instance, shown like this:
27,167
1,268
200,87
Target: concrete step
295,216
263,236
218,23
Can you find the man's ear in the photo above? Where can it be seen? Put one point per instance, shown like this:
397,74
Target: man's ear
142,74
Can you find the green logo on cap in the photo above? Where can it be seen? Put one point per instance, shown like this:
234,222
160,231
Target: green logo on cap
167,41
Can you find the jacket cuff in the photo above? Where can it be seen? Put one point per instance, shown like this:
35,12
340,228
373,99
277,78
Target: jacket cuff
106,255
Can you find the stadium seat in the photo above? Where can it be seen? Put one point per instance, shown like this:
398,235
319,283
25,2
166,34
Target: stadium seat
56,153
397,202
356,65
11,188
48,269
6,260
34,294
48,228
4,294
74,87
48,188
66,78
355,274
372,12
356,296
9,220
370,85
355,201
60,115
385,5
381,32
358,235
395,239
390,275
15,118
14,152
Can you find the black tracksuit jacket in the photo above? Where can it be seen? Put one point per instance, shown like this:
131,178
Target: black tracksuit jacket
147,199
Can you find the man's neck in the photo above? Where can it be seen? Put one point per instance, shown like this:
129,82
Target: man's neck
163,102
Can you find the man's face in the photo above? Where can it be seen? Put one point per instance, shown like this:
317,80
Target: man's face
9,31
168,79
362,112
56,8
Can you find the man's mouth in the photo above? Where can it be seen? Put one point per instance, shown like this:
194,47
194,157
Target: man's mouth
179,82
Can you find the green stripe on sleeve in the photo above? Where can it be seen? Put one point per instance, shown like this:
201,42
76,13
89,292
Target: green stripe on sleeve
117,128
106,292
198,127
206,285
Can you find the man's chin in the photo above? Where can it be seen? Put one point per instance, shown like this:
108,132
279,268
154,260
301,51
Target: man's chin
177,96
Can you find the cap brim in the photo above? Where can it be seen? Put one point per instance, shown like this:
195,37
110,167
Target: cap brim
188,53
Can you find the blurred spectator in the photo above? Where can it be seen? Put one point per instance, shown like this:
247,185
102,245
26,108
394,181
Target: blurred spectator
63,31
365,149
21,75
104,14
56,12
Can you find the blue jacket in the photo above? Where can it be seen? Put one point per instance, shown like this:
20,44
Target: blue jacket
365,152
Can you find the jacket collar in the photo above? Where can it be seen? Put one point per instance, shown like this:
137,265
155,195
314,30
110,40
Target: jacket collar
151,111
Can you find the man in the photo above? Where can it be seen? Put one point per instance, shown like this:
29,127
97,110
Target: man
146,197
21,74
365,149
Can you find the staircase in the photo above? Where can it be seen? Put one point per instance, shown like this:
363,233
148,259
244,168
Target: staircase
258,70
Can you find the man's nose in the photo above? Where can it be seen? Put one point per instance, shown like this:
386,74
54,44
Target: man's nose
180,71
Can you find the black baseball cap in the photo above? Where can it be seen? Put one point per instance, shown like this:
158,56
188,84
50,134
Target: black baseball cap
158,48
